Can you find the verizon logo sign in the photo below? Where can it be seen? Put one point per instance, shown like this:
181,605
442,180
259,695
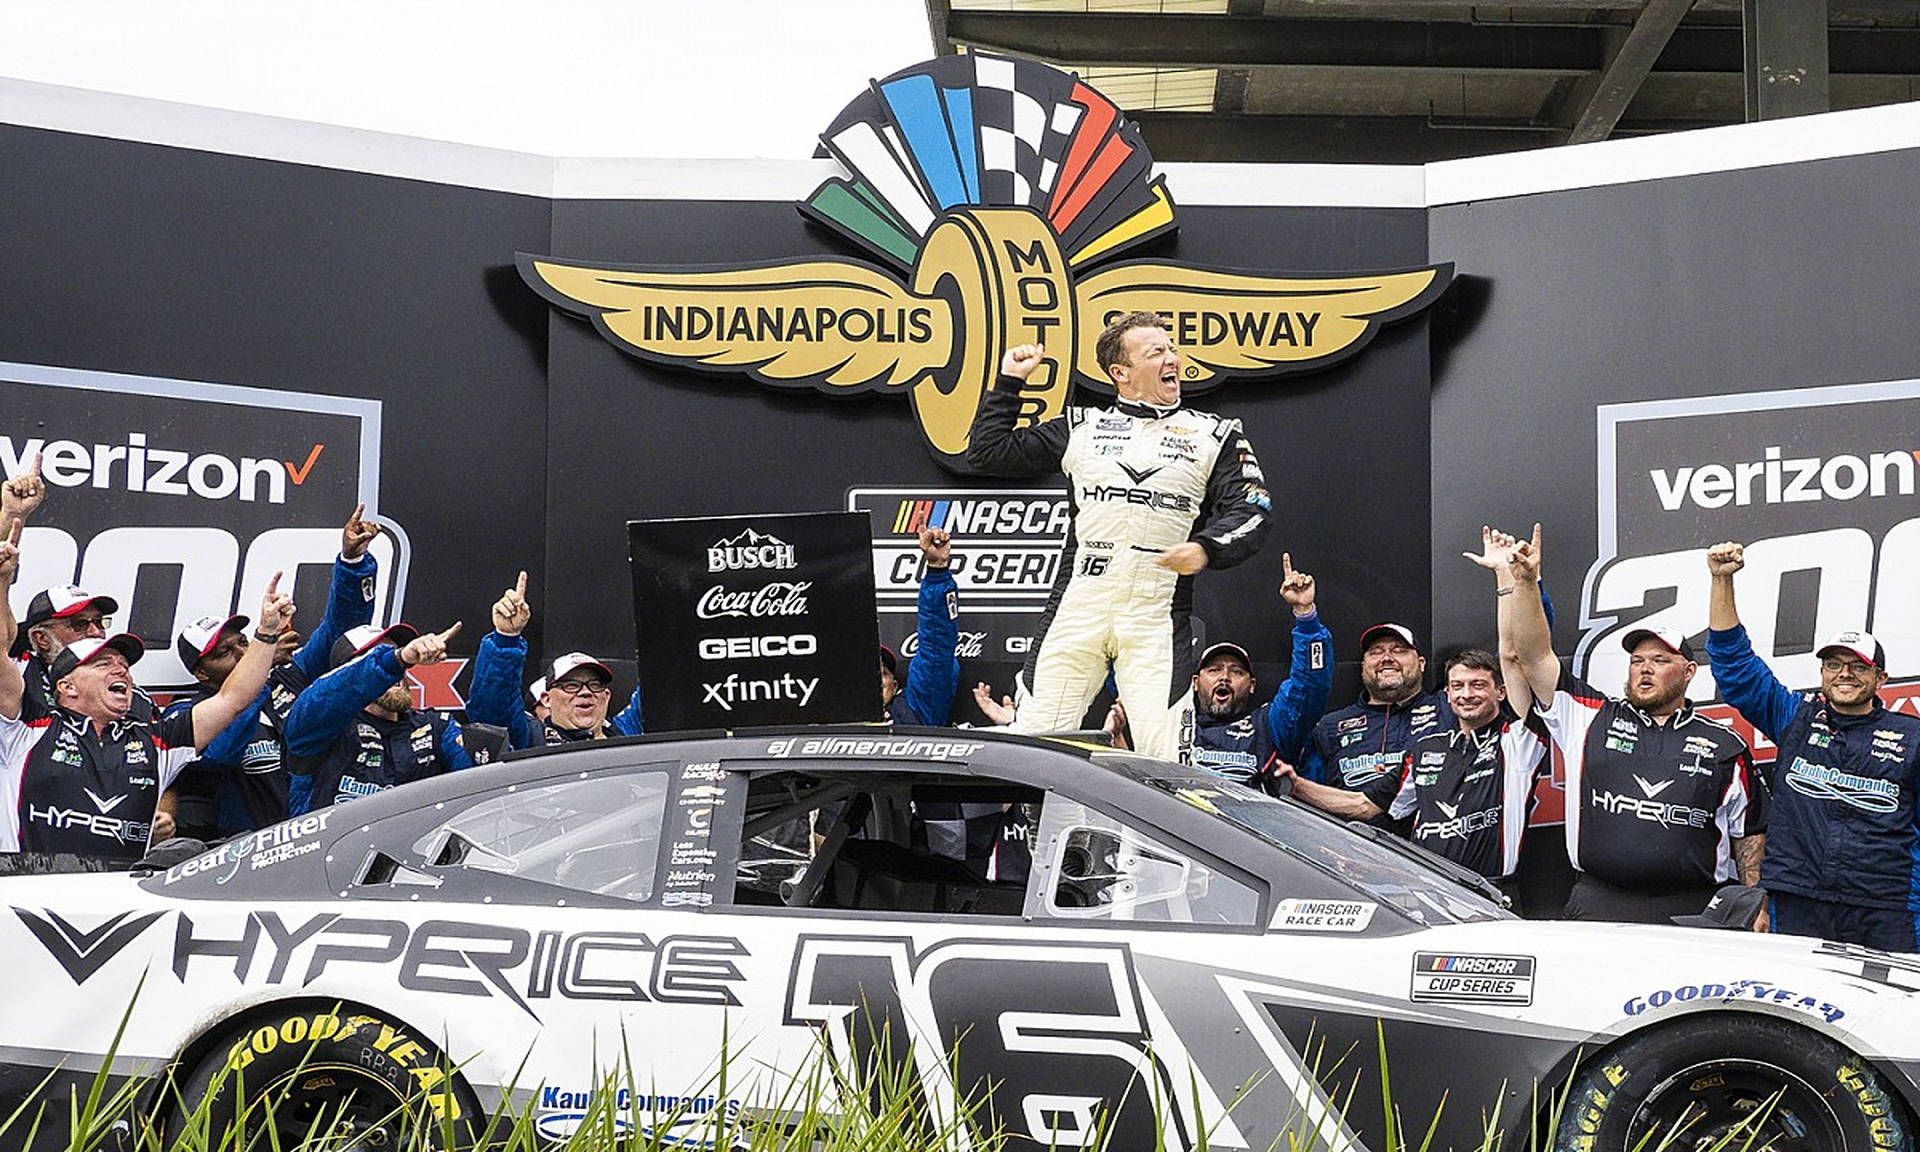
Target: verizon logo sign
134,465
1778,479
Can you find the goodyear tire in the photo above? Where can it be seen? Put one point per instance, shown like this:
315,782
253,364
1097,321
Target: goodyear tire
1706,1078
356,1079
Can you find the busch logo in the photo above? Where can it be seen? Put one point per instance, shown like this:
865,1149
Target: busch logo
750,549
780,598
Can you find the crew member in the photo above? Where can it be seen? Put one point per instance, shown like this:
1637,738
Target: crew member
1843,851
243,765
87,776
573,695
1467,787
1159,493
1234,738
1356,745
1664,804
354,731
933,674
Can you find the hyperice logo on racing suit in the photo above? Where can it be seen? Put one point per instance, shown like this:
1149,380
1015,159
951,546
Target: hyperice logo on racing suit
1825,783
99,822
1456,827
1144,497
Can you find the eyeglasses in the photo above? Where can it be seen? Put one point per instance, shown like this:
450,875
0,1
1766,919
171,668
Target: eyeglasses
582,688
1836,665
84,625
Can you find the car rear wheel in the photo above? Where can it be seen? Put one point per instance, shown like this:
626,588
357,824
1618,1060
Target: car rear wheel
1737,1081
358,1080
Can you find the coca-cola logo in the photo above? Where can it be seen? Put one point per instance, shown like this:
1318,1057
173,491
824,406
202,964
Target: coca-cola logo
967,645
779,598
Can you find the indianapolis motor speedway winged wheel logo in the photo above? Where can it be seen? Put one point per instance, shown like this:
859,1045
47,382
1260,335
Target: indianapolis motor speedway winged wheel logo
992,192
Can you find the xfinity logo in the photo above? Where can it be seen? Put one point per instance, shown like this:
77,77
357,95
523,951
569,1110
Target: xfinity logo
780,598
749,647
750,549
1774,480
1145,497
736,689
136,466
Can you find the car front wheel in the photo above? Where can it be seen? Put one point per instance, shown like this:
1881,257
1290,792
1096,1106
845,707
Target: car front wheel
1735,1081
354,1078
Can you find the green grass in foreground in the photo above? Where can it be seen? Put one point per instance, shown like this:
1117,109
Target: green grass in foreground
820,1109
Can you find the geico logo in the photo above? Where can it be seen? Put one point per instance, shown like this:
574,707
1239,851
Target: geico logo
1019,645
1652,811
136,467
1851,578
1145,497
1459,827
780,598
111,827
746,647
1774,480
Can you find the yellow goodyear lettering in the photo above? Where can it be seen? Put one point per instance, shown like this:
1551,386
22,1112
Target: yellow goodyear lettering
437,1092
1616,1074
1873,1104
293,1029
266,1039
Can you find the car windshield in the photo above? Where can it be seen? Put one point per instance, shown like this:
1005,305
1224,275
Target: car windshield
1393,873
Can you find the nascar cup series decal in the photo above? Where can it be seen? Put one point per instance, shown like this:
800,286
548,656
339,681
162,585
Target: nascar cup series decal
988,188
183,497
1447,977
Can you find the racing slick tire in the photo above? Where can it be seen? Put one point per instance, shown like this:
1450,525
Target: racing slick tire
355,1077
1708,1079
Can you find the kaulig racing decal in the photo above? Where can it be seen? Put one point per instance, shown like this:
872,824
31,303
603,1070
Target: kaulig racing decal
1821,484
994,193
180,499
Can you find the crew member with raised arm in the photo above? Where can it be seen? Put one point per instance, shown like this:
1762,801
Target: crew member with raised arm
1663,804
574,691
1843,850
86,777
1244,743
1159,493
354,732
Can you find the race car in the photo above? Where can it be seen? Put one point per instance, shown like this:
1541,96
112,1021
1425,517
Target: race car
1078,944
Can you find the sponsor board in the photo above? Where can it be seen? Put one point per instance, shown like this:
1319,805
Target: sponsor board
1451,977
1821,484
1006,552
756,615
180,499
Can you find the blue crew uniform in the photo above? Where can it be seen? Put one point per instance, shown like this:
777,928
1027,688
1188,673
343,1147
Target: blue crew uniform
1843,847
1244,748
338,751
498,671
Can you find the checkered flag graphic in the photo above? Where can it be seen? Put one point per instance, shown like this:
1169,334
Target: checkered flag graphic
1024,128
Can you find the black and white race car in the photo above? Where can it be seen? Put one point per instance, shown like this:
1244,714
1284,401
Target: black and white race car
1124,942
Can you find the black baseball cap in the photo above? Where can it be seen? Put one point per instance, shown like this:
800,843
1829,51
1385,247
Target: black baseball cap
1735,906
81,651
1398,631
199,638
1230,649
1669,638
58,603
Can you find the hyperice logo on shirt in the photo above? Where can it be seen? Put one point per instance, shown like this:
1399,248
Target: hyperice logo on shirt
1824,783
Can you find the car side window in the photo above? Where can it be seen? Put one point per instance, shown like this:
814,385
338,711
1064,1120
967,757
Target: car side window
598,834
1089,866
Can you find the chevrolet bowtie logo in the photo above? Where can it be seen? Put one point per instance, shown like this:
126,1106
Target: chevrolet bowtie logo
989,188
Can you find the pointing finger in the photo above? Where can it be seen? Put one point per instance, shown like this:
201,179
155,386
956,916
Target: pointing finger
450,633
520,588
1286,567
1536,536
359,510
273,585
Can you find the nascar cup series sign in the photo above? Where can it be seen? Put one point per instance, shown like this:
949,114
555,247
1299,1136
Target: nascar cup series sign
763,619
1822,485
181,499
992,192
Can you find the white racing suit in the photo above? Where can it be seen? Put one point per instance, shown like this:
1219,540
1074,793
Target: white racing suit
1139,482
